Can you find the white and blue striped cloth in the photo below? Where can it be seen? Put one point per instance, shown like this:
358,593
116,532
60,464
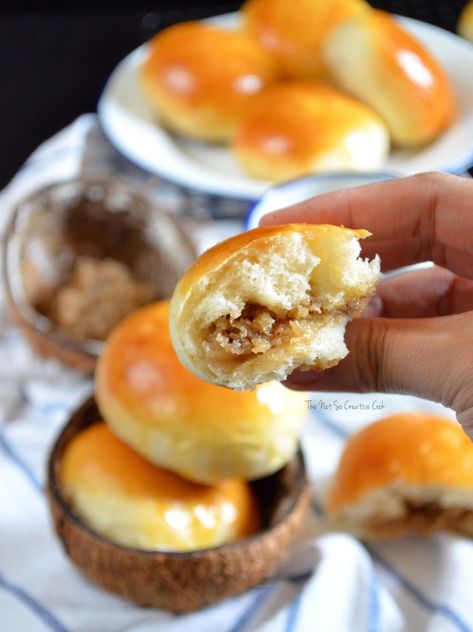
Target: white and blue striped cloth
329,582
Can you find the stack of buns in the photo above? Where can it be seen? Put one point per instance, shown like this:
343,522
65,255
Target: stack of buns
408,473
169,468
265,88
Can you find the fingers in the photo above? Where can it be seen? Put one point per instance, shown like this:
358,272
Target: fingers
423,294
429,358
421,217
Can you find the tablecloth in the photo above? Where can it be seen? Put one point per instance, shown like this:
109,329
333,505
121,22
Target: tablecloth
329,582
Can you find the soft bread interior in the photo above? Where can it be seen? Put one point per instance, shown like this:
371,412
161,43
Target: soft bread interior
400,509
277,304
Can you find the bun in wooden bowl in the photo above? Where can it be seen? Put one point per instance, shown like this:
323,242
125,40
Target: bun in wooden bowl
200,431
183,581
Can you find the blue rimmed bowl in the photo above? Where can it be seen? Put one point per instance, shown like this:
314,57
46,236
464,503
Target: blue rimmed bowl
304,188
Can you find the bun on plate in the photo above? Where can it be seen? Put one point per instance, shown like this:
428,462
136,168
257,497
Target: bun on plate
202,432
268,301
298,127
377,60
293,31
199,79
126,499
406,473
465,23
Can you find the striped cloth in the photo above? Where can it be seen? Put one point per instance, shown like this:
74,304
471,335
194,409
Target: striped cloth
329,581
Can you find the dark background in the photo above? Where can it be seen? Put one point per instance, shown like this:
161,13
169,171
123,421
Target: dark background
56,56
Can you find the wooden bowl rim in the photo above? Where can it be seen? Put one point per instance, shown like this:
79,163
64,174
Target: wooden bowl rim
299,491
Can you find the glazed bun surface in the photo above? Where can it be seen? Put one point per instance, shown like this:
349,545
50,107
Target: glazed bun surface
202,432
199,79
297,127
379,62
129,501
265,302
294,31
465,23
405,473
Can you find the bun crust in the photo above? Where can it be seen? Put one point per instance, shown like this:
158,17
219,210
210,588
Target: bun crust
202,432
294,31
297,127
404,473
125,498
265,302
379,62
465,23
199,79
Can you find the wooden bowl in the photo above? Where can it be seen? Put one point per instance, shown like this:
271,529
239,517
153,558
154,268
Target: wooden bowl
180,582
102,217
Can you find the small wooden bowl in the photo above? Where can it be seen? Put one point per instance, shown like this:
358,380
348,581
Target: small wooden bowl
180,582
90,216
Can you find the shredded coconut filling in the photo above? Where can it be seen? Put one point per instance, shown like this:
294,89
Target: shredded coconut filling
423,517
258,329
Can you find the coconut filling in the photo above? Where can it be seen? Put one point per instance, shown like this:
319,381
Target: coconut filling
258,329
424,518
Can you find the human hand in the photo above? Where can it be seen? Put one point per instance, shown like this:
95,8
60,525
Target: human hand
418,336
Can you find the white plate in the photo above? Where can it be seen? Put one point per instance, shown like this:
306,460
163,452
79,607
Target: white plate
130,125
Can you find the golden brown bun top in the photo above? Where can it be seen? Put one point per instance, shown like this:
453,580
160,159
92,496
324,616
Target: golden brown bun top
140,369
257,238
205,65
305,118
410,448
97,459
294,30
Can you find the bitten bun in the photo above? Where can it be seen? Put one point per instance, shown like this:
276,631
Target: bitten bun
294,31
297,127
199,79
265,302
465,23
204,433
402,474
129,501
375,59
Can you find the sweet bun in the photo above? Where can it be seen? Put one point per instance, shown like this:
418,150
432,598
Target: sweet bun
297,127
405,473
294,31
129,501
202,432
465,23
265,302
375,59
199,79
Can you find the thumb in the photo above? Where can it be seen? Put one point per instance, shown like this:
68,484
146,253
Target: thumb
427,357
